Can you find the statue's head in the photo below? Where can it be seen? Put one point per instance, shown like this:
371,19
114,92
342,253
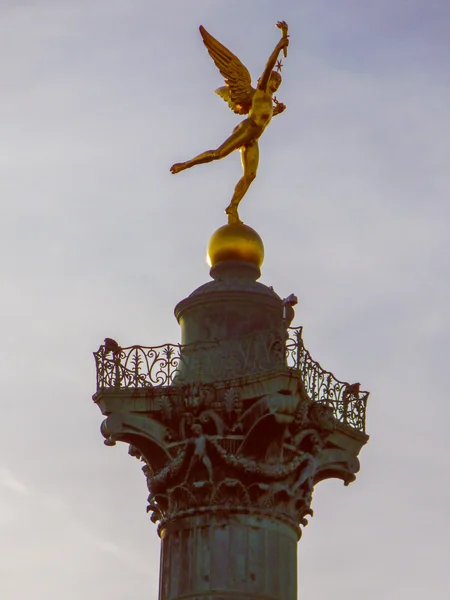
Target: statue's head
274,81
197,430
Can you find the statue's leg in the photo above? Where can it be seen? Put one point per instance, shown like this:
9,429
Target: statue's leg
208,464
238,138
250,160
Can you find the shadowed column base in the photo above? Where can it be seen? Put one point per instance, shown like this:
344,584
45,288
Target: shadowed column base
228,556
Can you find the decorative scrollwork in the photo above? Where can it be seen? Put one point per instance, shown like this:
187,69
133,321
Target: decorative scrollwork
170,364
230,491
347,402
225,360
137,366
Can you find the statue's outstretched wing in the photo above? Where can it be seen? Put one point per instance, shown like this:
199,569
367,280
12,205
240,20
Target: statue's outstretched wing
238,91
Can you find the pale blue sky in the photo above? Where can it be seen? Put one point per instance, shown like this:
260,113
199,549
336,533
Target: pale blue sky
97,100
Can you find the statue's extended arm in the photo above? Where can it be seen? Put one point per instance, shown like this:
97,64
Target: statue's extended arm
282,45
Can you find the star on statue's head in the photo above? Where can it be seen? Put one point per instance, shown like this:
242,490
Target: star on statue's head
279,65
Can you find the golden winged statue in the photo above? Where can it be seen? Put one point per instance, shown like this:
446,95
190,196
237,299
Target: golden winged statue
259,104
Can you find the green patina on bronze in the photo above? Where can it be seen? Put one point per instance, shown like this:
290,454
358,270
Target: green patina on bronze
237,424
235,427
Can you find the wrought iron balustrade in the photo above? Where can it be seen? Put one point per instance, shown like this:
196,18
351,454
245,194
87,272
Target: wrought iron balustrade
346,400
170,364
137,366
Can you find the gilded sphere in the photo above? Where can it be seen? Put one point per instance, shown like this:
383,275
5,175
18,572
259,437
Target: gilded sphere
235,241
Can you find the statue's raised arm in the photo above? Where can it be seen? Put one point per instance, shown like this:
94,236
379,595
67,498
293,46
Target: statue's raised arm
243,99
282,45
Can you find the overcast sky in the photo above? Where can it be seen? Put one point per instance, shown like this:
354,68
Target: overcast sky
97,100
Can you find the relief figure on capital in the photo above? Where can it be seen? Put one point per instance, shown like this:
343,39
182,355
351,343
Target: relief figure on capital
259,104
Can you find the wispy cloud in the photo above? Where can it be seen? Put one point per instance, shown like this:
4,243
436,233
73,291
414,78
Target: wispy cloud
44,506
8,480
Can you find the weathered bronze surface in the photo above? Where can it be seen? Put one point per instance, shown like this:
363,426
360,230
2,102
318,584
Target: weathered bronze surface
235,427
260,104
142,369
236,424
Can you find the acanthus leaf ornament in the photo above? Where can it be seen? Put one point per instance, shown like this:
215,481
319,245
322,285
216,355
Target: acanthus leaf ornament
217,445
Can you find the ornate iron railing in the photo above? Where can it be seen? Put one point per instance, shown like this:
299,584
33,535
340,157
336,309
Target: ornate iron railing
346,400
136,366
172,364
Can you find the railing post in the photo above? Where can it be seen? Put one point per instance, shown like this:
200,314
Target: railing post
136,367
116,359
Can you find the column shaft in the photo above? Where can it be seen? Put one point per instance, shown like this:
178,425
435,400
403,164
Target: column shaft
234,556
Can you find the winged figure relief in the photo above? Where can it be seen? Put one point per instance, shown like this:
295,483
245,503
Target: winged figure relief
259,104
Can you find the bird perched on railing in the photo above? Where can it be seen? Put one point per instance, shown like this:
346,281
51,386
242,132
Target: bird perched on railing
288,310
291,300
111,346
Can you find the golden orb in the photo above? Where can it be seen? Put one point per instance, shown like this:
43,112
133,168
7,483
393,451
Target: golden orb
235,241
